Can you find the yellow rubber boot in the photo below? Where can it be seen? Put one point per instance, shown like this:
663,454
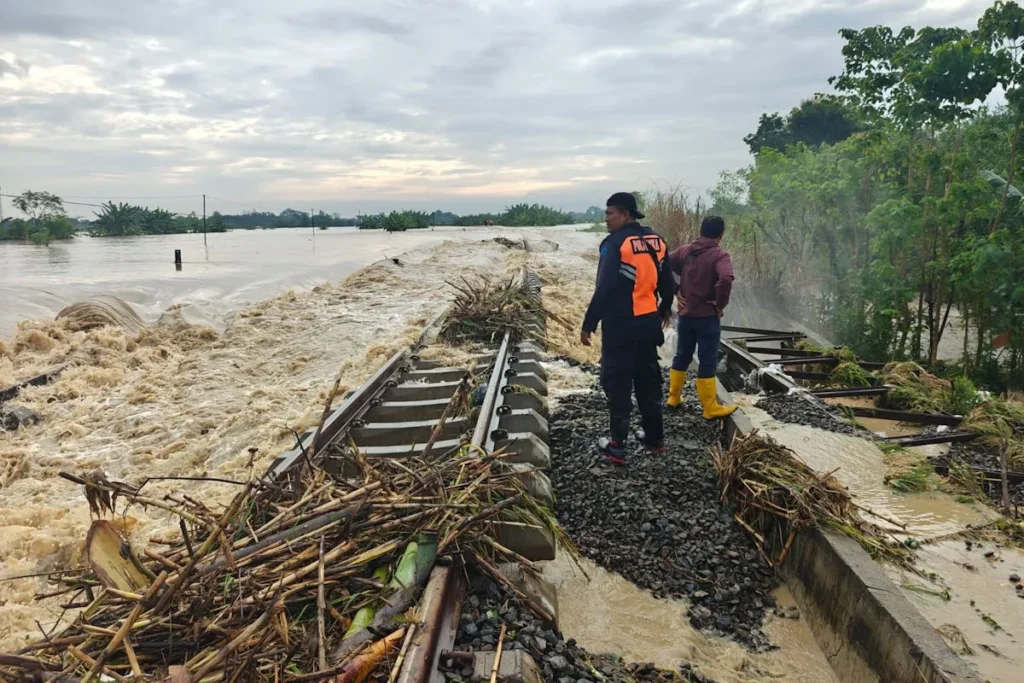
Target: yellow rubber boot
707,391
676,380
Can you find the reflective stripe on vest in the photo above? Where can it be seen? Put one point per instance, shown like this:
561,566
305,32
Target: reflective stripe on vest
638,254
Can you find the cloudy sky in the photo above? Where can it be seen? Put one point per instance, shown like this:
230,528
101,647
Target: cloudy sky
459,104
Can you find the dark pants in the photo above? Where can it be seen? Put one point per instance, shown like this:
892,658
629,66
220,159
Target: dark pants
628,365
702,335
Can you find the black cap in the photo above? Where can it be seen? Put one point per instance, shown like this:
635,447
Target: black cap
626,201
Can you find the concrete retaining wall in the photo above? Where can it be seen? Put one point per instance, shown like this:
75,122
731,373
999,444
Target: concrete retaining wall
860,619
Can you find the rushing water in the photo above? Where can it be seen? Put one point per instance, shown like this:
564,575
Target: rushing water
606,613
970,593
227,272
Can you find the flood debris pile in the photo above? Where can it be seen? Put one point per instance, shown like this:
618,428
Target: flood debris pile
491,613
321,577
795,409
914,388
660,523
484,309
1000,426
776,495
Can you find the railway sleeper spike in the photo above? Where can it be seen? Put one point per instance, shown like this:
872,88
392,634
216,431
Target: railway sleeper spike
511,372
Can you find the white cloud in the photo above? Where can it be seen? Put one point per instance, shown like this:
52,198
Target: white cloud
466,104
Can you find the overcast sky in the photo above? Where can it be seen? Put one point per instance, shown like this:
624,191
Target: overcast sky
465,105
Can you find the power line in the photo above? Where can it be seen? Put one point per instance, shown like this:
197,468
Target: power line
98,206
153,196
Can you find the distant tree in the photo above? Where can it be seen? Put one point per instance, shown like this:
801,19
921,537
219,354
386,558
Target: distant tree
37,205
824,119
118,220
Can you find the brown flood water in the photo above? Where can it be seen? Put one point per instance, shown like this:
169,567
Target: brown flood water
607,613
977,587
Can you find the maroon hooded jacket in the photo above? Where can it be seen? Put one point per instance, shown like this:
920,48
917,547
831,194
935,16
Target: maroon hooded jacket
703,274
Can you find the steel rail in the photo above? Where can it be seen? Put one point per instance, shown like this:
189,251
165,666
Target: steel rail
357,404
441,615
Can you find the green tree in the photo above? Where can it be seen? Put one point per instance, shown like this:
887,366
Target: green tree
118,220
824,119
38,205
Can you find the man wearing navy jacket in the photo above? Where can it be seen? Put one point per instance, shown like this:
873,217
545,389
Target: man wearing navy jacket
632,302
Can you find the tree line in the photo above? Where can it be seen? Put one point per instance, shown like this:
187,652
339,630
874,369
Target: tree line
519,215
886,213
47,220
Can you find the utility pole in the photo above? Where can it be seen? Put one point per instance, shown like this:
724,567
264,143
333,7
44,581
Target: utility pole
204,219
312,223
1,205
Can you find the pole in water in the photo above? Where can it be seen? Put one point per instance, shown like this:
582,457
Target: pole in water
204,219
177,259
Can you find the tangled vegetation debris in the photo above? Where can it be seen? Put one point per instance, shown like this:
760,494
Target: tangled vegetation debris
850,375
776,495
914,388
281,583
484,309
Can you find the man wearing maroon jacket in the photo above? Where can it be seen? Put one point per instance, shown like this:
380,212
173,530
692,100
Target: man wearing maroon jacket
703,272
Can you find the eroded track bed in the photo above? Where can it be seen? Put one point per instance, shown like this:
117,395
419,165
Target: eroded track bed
660,523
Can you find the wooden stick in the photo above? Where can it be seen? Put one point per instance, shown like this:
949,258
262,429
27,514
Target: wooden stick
132,658
401,653
187,570
1004,476
785,551
115,643
241,638
502,579
321,606
497,655
89,661
315,443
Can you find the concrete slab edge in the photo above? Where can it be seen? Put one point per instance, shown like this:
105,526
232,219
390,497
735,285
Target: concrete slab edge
860,619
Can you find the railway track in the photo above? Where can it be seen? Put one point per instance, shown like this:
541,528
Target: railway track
413,406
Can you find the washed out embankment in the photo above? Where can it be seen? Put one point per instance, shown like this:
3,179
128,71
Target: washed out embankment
179,400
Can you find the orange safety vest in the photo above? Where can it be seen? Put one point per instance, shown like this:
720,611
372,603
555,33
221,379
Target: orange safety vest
641,257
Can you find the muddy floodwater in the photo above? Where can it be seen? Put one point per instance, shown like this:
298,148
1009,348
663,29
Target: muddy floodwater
971,595
207,371
227,272
606,613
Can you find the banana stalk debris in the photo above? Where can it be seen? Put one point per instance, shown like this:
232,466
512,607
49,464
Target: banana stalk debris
253,591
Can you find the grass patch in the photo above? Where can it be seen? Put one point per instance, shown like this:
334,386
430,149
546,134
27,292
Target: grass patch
963,482
849,374
925,590
999,423
907,472
963,396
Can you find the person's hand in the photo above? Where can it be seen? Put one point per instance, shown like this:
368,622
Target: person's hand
681,300
585,338
720,311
